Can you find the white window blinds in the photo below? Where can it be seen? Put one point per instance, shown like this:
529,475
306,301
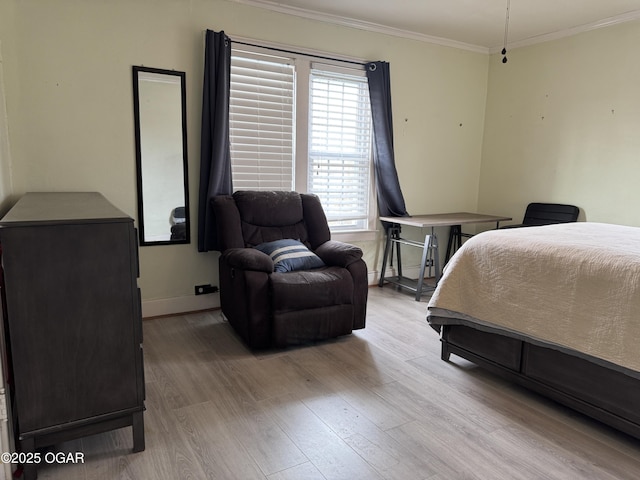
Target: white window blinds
261,122
340,147
298,124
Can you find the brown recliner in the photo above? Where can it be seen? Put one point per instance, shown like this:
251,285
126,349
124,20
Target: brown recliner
273,308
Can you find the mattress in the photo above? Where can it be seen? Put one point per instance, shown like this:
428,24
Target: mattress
574,286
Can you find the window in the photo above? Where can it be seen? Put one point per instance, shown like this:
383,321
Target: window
340,147
296,124
261,122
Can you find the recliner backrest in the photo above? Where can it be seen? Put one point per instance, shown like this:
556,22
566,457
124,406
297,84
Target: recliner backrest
549,213
269,216
248,218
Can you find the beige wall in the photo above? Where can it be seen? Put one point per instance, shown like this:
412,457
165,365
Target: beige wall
5,152
563,125
6,41
67,68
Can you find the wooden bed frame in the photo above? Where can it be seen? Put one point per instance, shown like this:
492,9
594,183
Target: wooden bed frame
602,393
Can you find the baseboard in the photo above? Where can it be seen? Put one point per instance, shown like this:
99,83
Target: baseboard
176,305
192,303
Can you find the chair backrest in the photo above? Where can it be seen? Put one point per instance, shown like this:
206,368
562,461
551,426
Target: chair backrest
248,218
549,213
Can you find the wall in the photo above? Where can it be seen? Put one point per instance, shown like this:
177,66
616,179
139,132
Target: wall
562,125
67,67
6,189
5,152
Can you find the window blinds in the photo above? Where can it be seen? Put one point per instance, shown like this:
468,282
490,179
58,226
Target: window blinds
340,146
332,111
261,122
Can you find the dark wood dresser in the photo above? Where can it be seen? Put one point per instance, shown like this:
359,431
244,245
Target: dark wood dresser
72,308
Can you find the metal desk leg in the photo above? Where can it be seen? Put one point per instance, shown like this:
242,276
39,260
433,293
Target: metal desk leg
396,236
455,241
430,250
436,258
388,250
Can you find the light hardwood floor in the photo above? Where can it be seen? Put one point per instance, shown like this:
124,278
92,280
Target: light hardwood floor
377,404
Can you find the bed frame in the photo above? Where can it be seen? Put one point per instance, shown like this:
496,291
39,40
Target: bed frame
602,393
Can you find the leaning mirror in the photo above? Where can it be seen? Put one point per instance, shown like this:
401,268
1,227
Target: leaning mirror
161,155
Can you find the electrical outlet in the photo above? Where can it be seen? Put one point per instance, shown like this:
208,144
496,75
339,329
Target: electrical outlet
204,289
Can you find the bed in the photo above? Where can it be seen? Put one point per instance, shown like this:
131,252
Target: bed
554,308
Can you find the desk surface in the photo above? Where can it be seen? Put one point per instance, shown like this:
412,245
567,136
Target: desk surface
444,219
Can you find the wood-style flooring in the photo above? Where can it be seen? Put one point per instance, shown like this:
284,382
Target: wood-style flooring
377,404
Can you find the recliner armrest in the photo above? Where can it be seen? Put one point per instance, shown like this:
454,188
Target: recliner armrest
248,259
338,254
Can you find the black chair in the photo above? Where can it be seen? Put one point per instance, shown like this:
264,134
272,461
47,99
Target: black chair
538,214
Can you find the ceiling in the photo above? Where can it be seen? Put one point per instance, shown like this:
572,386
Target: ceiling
471,24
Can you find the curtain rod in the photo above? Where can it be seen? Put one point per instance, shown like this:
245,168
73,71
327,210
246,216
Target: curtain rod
300,53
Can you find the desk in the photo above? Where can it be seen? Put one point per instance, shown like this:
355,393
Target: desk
429,247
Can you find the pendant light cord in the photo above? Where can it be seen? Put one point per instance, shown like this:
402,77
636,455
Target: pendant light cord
506,33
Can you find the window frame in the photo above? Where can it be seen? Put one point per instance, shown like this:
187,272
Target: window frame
304,61
328,78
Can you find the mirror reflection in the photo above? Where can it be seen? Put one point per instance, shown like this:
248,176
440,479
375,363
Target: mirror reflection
161,151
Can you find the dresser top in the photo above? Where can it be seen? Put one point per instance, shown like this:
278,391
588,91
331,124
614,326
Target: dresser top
61,208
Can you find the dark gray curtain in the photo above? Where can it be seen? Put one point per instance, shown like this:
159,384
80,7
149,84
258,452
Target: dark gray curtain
390,199
215,156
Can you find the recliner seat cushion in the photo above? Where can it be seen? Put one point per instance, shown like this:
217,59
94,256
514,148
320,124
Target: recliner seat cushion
311,289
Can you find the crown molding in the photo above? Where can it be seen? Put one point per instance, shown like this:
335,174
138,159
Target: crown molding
396,32
361,25
569,32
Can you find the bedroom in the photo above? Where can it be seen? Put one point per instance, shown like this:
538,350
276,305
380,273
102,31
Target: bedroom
67,76
563,115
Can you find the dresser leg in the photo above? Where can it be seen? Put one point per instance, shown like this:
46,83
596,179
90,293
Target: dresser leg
137,428
29,469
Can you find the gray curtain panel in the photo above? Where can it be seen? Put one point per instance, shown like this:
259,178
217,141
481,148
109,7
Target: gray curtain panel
215,156
390,198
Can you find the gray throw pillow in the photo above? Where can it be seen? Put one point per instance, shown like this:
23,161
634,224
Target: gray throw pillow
290,255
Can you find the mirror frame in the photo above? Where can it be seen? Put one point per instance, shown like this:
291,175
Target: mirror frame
185,181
